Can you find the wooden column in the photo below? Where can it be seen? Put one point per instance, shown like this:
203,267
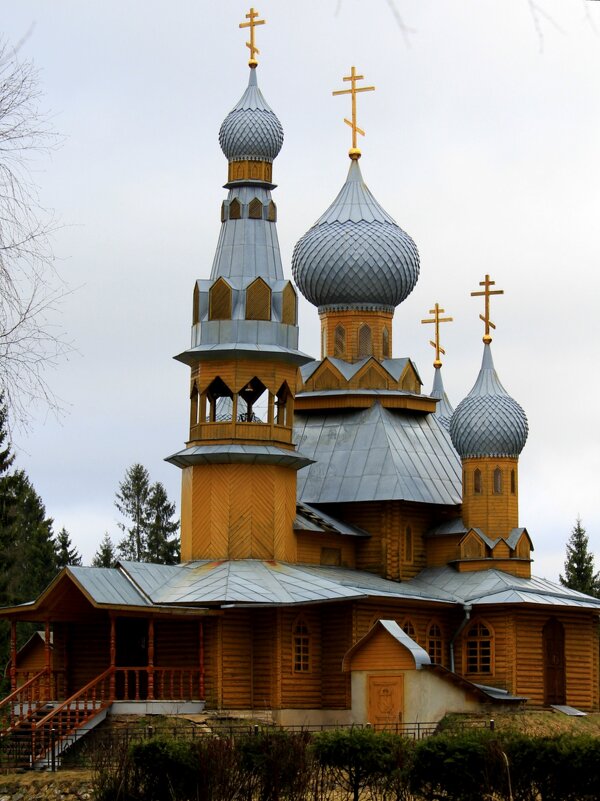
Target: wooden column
151,659
113,655
47,661
201,641
13,655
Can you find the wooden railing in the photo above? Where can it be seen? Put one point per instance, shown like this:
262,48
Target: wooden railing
241,430
35,692
158,683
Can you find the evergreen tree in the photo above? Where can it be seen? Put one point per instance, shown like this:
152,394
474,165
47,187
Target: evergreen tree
579,564
66,552
132,501
162,547
105,556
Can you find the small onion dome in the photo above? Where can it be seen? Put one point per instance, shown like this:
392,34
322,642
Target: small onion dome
488,422
355,253
251,130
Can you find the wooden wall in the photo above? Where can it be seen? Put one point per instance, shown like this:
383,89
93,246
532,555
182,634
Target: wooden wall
310,548
87,650
177,643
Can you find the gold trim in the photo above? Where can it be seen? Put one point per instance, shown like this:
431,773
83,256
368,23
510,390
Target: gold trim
354,152
248,170
485,317
252,23
436,311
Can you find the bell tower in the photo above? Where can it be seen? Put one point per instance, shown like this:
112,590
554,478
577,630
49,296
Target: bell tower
239,464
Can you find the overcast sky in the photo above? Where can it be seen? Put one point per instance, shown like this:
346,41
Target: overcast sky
482,142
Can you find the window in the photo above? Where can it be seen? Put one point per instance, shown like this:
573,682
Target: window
220,400
258,301
339,342
272,212
219,301
235,209
365,342
288,306
253,401
196,306
479,648
477,484
223,212
323,342
385,343
408,628
194,406
255,209
497,481
408,545
301,642
332,557
513,483
434,643
284,406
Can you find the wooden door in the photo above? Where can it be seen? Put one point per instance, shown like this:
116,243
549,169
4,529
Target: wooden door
386,700
553,639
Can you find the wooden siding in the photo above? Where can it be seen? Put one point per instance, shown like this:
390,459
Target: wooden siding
336,632
88,651
496,514
176,643
382,652
301,690
264,658
236,650
441,550
310,547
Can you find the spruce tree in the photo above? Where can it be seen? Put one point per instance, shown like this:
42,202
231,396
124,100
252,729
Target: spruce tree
579,564
162,546
132,502
66,552
105,556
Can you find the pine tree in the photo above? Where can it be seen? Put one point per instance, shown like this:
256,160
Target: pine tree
132,502
66,552
105,556
161,546
579,564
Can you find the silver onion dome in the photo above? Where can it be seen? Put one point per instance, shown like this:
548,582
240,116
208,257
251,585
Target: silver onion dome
488,422
355,254
251,130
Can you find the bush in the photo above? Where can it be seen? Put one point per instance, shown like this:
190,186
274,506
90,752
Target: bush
278,764
164,769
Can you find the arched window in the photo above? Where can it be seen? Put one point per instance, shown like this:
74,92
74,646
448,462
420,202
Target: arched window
385,343
323,342
513,482
219,301
220,400
235,209
252,403
288,305
408,545
434,643
284,406
272,212
477,483
339,342
196,305
258,301
497,481
301,643
223,212
365,342
479,648
409,628
194,406
255,209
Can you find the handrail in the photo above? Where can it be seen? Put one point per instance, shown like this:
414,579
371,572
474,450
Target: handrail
75,697
23,695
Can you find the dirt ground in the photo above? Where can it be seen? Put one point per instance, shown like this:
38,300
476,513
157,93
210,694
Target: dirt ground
534,724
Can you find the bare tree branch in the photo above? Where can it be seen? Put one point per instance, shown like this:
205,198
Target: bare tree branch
30,288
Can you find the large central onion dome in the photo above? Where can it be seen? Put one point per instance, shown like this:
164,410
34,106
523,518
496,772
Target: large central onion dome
488,422
251,130
355,254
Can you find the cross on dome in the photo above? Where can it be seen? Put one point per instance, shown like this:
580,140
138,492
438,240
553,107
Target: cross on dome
485,317
354,152
252,23
436,311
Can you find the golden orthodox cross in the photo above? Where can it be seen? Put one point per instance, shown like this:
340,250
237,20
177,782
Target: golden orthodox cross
252,23
486,284
354,152
436,311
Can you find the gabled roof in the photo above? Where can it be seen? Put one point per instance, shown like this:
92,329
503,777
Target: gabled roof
309,518
376,454
419,654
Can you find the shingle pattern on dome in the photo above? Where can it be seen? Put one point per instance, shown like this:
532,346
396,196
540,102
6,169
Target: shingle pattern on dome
355,252
488,422
251,130
444,409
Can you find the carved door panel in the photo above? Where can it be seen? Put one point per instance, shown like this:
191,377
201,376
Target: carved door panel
553,640
386,700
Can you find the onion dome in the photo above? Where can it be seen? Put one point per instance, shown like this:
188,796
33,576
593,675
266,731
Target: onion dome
488,422
355,254
251,130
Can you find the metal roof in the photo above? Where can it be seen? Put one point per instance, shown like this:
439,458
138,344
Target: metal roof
376,454
109,586
309,518
444,410
238,454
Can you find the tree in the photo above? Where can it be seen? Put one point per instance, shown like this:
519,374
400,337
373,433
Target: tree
105,556
29,286
66,552
579,564
149,528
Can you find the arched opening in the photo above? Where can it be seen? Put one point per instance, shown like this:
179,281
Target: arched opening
223,212
513,483
258,301
477,482
365,341
339,342
235,209
220,402
385,343
194,406
253,402
196,305
219,300
288,305
553,646
435,643
301,646
323,342
497,481
479,648
409,628
284,408
272,212
255,209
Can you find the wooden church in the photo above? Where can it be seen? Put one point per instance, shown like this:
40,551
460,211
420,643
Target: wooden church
351,547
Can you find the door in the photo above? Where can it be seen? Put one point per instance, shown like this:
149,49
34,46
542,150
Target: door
553,639
386,700
132,653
